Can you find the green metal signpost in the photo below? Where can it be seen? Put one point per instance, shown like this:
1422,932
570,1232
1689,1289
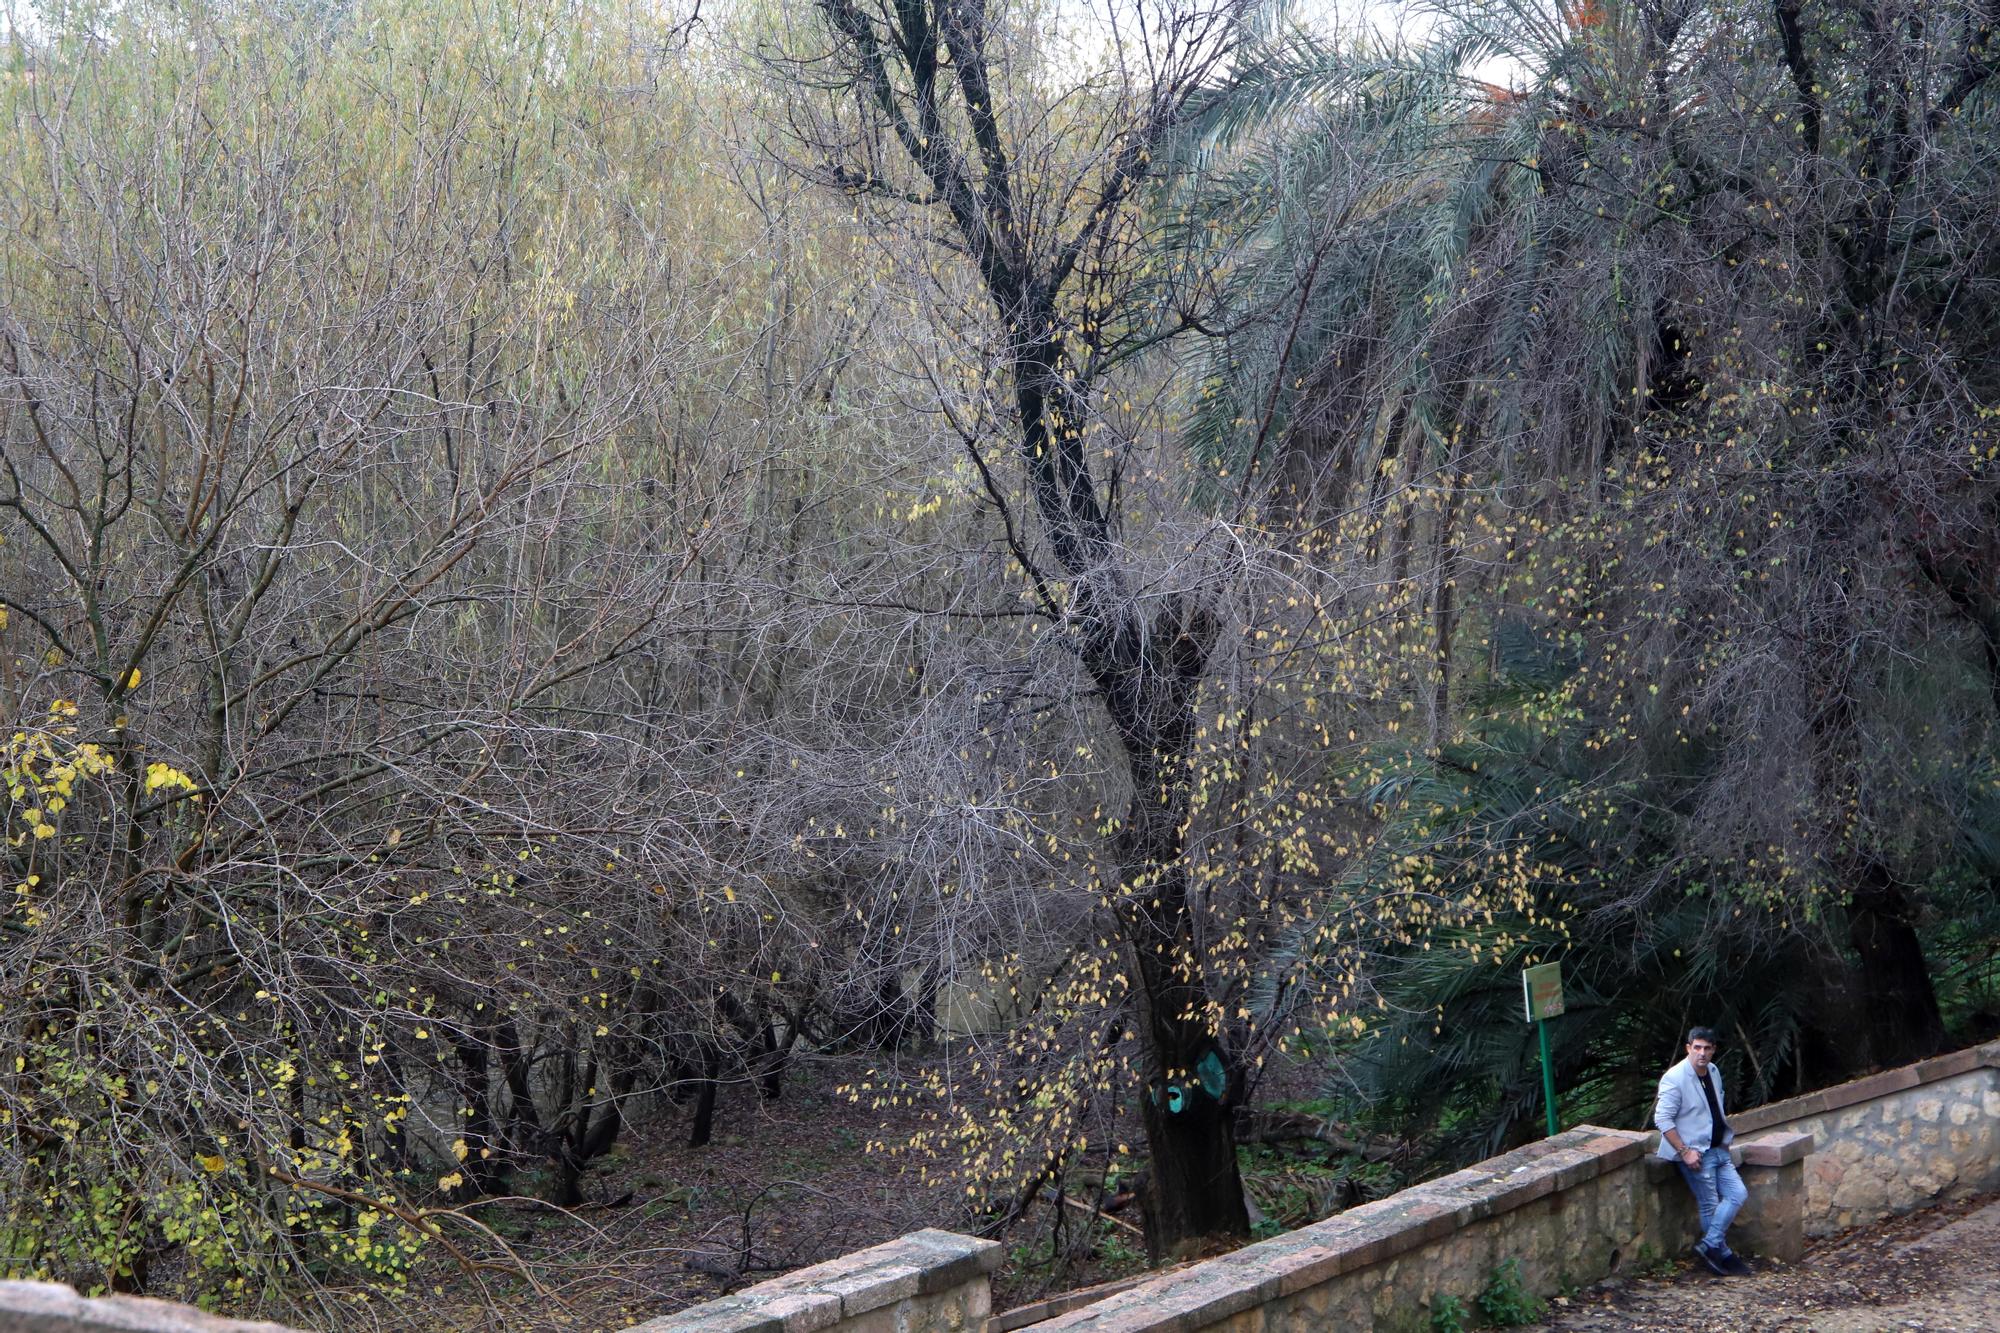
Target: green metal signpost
1542,994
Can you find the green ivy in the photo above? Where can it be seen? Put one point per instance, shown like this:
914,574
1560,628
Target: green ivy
1506,1302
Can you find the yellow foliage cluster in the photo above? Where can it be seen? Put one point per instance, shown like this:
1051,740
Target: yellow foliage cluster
40,770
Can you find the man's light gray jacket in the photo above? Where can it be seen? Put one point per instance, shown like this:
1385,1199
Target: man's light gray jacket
1682,1106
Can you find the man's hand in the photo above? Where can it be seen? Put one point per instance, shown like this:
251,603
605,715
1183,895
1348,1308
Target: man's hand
1692,1158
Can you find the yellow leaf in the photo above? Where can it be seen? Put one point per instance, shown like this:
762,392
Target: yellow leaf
458,1149
132,681
213,1165
452,1181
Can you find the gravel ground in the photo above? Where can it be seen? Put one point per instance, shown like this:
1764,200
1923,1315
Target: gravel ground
1937,1270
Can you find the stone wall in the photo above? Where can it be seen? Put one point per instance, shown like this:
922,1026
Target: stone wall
1895,1141
1568,1210
925,1282
50,1307
1577,1207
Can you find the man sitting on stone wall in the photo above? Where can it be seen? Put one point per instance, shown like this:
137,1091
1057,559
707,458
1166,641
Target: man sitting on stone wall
1694,1133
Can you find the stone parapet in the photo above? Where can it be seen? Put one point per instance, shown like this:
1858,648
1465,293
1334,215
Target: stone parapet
1894,1141
1774,1148
1569,1209
50,1307
1772,1223
925,1282
1938,1068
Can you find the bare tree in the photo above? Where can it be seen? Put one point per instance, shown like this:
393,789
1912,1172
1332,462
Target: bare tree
939,110
383,628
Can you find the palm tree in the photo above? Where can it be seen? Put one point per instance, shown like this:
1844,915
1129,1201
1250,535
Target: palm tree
1452,1066
1682,349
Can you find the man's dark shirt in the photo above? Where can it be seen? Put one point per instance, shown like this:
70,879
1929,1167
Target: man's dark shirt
1714,1109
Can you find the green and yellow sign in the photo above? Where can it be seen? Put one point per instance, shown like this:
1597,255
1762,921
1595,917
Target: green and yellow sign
1542,990
1542,994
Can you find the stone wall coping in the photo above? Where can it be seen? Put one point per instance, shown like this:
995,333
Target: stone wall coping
1842,1095
51,1307
1769,1148
922,1263
1025,1316
1371,1233
1775,1147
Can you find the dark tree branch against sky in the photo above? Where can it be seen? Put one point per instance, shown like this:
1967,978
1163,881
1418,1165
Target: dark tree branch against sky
1040,185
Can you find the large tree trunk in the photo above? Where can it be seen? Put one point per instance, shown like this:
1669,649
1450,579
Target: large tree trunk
1194,1190
1904,1023
1148,663
1899,1015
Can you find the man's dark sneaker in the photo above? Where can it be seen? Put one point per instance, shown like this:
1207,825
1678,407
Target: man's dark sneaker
1711,1260
1737,1265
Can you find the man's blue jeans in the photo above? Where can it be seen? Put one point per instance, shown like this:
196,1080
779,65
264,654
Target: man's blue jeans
1718,1192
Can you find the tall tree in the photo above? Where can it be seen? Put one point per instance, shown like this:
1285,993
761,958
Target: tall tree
944,108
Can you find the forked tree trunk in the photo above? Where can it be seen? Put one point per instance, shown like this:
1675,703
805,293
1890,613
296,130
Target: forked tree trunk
922,71
1148,663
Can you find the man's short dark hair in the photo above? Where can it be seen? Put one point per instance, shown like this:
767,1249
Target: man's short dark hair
1696,1034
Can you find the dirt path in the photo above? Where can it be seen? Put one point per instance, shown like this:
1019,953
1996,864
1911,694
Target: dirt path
1938,1270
